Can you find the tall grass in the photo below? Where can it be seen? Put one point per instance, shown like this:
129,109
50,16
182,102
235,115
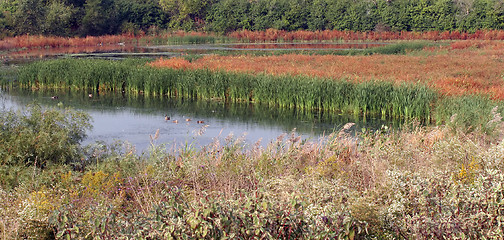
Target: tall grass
375,98
469,112
195,39
76,74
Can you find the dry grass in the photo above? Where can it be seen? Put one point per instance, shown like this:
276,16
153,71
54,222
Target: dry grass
175,63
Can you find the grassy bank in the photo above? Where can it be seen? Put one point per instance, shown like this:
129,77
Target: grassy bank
417,183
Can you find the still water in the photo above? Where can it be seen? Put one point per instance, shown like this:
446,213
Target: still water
135,119
116,51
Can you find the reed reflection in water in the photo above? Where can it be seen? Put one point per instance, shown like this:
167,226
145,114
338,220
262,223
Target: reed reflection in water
135,118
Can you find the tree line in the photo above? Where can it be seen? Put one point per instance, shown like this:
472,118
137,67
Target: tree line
99,17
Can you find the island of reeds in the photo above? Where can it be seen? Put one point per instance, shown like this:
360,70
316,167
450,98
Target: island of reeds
369,98
440,176
375,98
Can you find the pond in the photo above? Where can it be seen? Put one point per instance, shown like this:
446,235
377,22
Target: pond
135,119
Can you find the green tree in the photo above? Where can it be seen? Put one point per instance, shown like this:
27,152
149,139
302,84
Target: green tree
259,14
142,14
276,13
337,15
316,17
296,16
58,19
350,15
393,14
74,3
100,17
40,137
186,14
496,15
422,15
444,15
29,17
474,15
5,24
8,5
229,15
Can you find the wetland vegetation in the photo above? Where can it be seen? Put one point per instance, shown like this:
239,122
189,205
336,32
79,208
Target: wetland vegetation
420,181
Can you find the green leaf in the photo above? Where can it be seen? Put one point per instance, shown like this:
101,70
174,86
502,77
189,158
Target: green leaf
206,212
351,235
264,205
205,231
193,223
60,234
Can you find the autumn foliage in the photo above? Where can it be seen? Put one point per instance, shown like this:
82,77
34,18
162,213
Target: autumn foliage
38,41
464,67
328,35
269,35
175,63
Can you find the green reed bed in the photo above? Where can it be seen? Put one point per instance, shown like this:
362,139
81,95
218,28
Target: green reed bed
76,74
368,99
375,98
399,48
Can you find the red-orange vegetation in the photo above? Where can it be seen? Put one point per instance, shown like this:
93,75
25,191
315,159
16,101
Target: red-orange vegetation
176,63
476,68
38,41
325,35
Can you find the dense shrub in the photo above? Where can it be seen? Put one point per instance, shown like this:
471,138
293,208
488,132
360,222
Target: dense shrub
38,136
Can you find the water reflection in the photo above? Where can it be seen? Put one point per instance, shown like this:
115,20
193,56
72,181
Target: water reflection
119,51
303,46
134,118
265,46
